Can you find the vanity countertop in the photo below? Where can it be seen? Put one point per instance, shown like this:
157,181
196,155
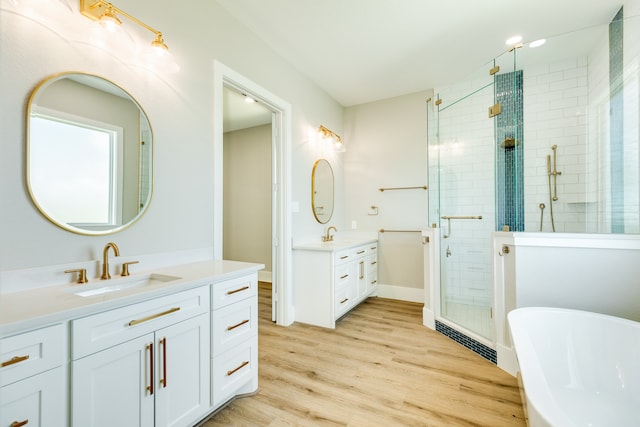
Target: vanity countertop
21,311
335,245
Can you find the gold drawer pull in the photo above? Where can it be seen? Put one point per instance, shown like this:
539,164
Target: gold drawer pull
154,316
374,262
19,423
361,252
344,257
231,328
344,300
244,288
344,277
233,371
13,361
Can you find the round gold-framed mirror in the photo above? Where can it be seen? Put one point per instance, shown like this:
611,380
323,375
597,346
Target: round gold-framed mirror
322,191
89,156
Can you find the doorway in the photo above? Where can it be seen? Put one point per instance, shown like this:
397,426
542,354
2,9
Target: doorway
247,182
227,79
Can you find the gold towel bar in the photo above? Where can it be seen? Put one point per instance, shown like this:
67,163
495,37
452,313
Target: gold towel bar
382,230
422,187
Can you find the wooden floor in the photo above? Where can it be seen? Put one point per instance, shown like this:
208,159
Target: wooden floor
379,367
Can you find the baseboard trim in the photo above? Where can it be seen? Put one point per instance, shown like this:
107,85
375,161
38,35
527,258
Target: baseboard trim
401,293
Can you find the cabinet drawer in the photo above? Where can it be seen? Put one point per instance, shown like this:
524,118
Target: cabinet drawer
30,353
234,290
100,331
233,369
343,256
343,275
360,251
36,401
342,301
233,324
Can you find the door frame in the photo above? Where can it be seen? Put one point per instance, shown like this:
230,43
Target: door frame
281,166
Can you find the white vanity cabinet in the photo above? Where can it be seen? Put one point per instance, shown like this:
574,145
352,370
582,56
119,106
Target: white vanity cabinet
146,364
234,323
331,279
32,379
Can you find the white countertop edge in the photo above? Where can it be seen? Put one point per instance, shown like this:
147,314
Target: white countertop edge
334,245
68,306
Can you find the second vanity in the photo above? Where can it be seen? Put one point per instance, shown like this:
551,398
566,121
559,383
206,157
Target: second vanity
333,277
165,349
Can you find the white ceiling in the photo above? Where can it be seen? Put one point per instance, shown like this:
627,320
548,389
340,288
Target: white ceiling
360,51
238,114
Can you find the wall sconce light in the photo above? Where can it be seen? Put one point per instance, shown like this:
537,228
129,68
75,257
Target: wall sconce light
107,14
331,137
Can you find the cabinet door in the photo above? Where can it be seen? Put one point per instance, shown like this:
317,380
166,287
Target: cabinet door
182,372
37,401
362,278
115,387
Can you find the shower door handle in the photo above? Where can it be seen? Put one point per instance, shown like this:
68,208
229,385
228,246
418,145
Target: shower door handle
462,217
449,218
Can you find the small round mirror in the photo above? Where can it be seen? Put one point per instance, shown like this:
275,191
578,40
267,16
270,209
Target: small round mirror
89,154
322,191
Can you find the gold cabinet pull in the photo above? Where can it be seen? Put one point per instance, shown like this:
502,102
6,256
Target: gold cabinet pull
233,371
361,252
235,291
19,423
237,325
344,300
154,316
344,257
361,265
151,369
344,277
14,360
163,380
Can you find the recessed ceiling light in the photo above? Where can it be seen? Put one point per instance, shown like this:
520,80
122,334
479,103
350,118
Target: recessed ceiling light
537,43
513,40
248,99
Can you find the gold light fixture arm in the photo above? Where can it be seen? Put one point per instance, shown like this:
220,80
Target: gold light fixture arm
328,133
96,9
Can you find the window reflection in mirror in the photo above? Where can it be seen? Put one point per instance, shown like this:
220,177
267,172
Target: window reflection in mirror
88,154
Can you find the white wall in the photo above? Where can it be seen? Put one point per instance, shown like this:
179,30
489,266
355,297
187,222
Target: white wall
179,106
386,144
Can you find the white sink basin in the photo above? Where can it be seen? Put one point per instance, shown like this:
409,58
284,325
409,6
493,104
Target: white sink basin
121,284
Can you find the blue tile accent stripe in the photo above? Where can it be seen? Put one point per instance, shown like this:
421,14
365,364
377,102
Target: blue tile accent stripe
616,130
473,345
509,131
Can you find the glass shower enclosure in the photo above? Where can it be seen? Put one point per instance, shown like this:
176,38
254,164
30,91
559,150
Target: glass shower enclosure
540,139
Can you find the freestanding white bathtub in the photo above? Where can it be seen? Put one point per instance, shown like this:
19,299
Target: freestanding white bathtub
578,368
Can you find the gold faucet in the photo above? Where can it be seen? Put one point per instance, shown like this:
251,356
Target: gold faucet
328,237
105,259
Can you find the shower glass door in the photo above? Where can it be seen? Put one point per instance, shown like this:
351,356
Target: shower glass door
462,175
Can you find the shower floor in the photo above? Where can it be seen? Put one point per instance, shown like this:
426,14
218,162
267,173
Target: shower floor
475,318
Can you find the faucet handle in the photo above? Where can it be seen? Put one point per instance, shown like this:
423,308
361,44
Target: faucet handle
125,267
82,274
